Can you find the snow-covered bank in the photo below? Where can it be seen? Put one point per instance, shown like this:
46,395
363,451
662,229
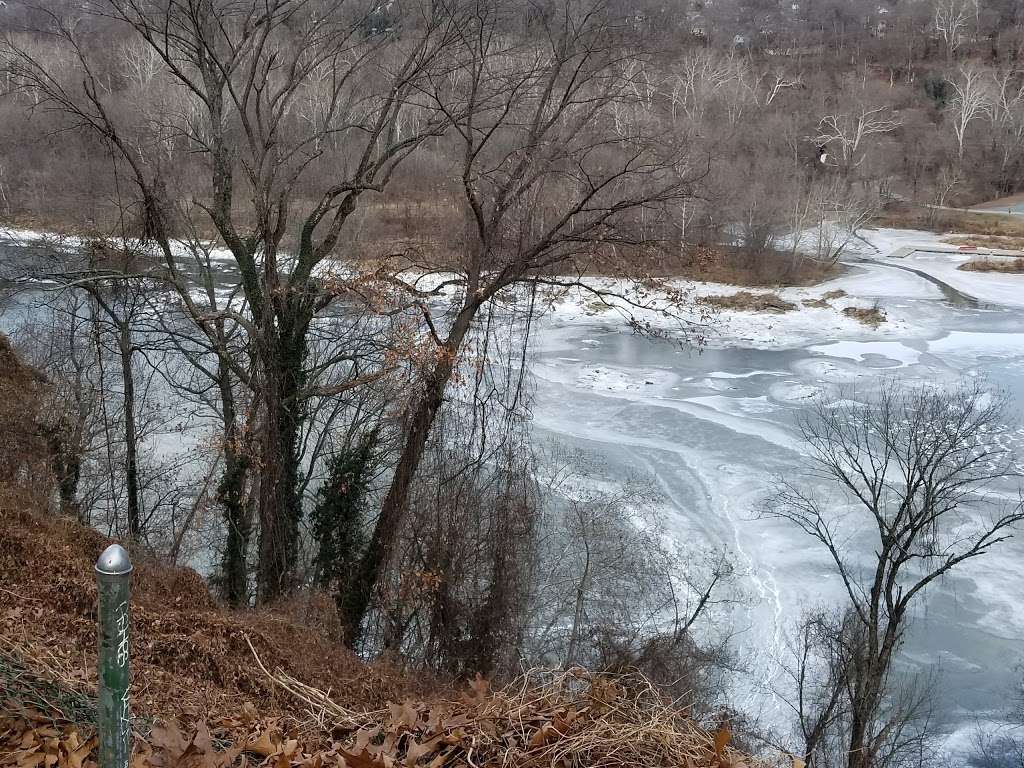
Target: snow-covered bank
879,270
711,430
863,286
941,260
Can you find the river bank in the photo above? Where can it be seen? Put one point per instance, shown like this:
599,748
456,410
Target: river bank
703,406
711,430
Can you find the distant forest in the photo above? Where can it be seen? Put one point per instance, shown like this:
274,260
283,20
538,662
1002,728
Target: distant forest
790,111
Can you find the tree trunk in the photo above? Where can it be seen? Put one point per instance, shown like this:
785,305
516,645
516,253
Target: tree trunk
66,464
231,495
280,508
421,418
130,434
577,614
858,755
867,696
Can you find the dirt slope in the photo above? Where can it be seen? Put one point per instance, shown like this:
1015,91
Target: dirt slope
189,657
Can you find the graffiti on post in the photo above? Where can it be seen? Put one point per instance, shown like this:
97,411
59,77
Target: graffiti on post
113,571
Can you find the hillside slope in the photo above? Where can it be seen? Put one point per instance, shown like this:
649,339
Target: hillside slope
213,688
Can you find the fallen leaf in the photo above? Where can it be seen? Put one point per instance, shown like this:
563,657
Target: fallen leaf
363,759
722,737
77,757
416,750
263,745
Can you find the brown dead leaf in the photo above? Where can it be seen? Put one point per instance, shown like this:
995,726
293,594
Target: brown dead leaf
263,745
77,757
480,685
363,759
416,750
30,758
441,759
169,738
404,715
722,737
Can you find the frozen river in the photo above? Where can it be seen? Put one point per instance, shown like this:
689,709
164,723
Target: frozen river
711,430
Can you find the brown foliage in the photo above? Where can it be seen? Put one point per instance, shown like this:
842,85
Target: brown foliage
189,657
873,316
750,302
1005,266
945,220
999,242
571,719
22,443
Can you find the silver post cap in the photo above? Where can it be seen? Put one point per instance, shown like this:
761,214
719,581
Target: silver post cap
114,561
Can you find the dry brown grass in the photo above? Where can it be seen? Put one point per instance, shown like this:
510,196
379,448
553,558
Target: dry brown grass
872,316
735,266
746,301
212,686
966,222
1008,266
999,242
567,718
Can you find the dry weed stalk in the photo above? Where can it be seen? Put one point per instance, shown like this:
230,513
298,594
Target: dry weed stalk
40,686
568,718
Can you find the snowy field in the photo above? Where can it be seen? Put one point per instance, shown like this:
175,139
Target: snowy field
712,429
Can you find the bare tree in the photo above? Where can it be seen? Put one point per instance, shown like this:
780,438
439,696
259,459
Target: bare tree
547,184
1007,117
950,21
846,133
613,593
246,67
971,101
915,467
826,216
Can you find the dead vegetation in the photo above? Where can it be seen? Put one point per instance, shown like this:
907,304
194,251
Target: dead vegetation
745,301
23,444
211,686
1004,266
998,242
871,316
740,266
570,719
189,657
904,216
823,301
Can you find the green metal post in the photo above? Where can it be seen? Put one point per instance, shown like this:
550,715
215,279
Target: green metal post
113,581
